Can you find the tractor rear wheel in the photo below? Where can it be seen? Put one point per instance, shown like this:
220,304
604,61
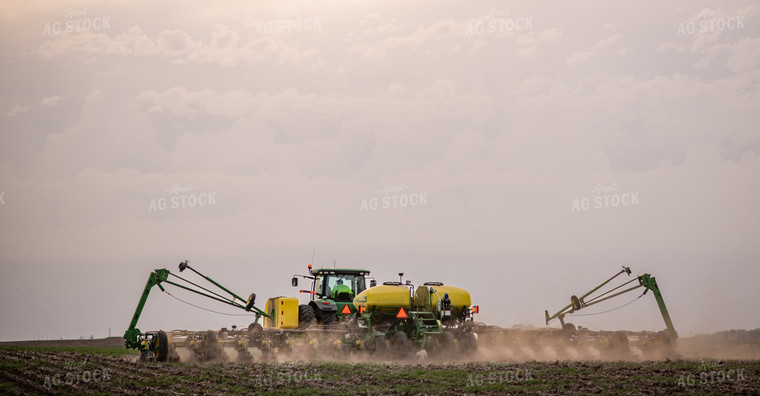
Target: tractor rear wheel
447,345
327,318
469,342
162,349
306,316
401,344
381,347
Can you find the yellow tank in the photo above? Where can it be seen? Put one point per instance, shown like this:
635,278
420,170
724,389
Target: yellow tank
427,301
285,313
385,298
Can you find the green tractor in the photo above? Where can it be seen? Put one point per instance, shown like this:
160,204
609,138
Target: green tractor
332,295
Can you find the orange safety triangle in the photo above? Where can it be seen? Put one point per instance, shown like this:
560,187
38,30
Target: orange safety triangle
346,309
401,314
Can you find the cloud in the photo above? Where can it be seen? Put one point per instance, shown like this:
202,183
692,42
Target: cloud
370,53
16,110
581,57
109,135
534,84
292,130
604,43
528,52
132,43
176,42
578,58
180,101
51,101
745,55
548,35
227,47
425,33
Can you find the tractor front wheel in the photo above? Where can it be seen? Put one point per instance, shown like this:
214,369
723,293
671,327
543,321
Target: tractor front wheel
162,347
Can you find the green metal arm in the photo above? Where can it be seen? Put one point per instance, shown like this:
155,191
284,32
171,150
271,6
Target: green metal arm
578,303
159,276
132,334
650,283
645,280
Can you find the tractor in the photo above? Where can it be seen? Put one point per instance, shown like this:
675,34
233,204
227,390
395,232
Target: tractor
331,296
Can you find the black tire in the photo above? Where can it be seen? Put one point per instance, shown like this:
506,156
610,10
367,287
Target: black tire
569,328
401,344
212,345
380,346
254,332
662,339
447,340
619,344
306,316
447,345
162,348
327,318
469,342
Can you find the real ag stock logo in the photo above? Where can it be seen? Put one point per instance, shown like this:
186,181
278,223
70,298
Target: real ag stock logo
711,373
288,20
604,197
393,197
77,20
499,21
181,197
710,21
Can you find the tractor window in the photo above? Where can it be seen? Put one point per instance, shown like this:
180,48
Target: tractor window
344,287
359,285
318,285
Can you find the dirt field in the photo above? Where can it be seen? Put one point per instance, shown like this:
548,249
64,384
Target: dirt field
66,367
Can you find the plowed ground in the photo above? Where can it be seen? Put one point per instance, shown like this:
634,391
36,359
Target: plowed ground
35,370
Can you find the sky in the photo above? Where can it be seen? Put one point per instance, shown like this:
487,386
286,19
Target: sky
524,151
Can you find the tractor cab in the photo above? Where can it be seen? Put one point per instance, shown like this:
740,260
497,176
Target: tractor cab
339,286
333,291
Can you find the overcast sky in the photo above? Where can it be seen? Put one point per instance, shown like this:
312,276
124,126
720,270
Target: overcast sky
524,151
